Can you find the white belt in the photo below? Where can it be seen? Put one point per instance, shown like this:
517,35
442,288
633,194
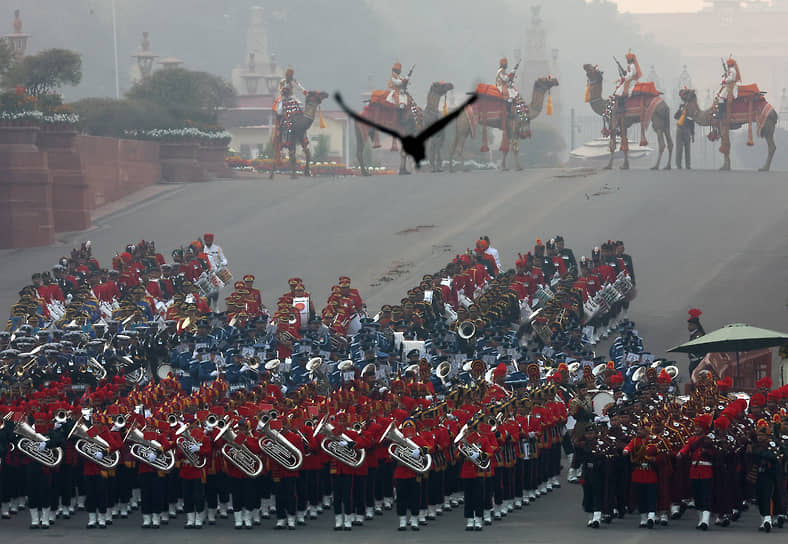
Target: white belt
702,464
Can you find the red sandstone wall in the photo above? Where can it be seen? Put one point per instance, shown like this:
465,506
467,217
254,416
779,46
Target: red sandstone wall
115,168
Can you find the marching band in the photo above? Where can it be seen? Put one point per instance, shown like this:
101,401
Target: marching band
122,390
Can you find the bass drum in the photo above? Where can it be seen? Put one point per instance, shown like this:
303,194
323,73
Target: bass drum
600,401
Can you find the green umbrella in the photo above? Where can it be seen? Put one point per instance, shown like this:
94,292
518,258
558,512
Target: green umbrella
734,337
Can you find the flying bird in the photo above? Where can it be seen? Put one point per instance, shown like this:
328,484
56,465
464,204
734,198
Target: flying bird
412,145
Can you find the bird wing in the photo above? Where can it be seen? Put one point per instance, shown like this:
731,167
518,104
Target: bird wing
441,123
364,120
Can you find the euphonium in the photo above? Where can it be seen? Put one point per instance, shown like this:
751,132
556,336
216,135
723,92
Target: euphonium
402,449
28,444
184,441
141,449
276,446
87,446
235,451
332,445
472,452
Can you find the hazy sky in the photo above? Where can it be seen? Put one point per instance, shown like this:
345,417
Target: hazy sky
658,6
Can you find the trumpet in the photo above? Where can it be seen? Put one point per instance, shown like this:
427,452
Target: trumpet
29,441
276,446
88,446
331,444
141,449
402,449
472,452
235,451
185,441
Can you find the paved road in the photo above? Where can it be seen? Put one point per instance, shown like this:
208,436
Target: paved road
699,239
555,518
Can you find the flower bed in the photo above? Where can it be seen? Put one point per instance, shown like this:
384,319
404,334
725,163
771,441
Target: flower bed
316,168
183,134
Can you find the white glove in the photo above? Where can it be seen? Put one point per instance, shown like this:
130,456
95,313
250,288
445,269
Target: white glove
214,373
116,427
194,448
415,454
532,435
98,455
284,389
344,443
451,417
58,425
474,456
429,398
383,390
151,456
42,446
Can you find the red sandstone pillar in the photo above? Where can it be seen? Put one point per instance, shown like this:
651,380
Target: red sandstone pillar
71,198
25,190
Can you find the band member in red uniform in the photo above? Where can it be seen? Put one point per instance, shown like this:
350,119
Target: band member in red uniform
699,449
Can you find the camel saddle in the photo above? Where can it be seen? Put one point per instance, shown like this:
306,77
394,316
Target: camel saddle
379,97
646,88
488,91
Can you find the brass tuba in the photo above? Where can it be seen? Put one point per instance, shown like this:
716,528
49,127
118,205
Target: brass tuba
235,451
466,330
87,446
472,452
184,440
29,441
402,449
331,445
141,449
276,446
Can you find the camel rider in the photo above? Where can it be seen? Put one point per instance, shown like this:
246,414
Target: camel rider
505,82
628,80
295,86
398,95
730,81
286,108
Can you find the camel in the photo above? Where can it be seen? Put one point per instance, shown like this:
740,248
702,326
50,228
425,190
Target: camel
659,118
389,116
762,112
514,130
301,122
430,115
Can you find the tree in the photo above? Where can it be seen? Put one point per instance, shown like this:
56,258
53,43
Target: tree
45,71
110,117
322,148
186,94
6,57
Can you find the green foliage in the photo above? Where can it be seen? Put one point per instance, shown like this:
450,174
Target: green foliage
45,71
322,148
6,57
109,117
185,94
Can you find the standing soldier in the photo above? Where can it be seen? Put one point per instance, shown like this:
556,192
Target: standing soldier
696,331
685,134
